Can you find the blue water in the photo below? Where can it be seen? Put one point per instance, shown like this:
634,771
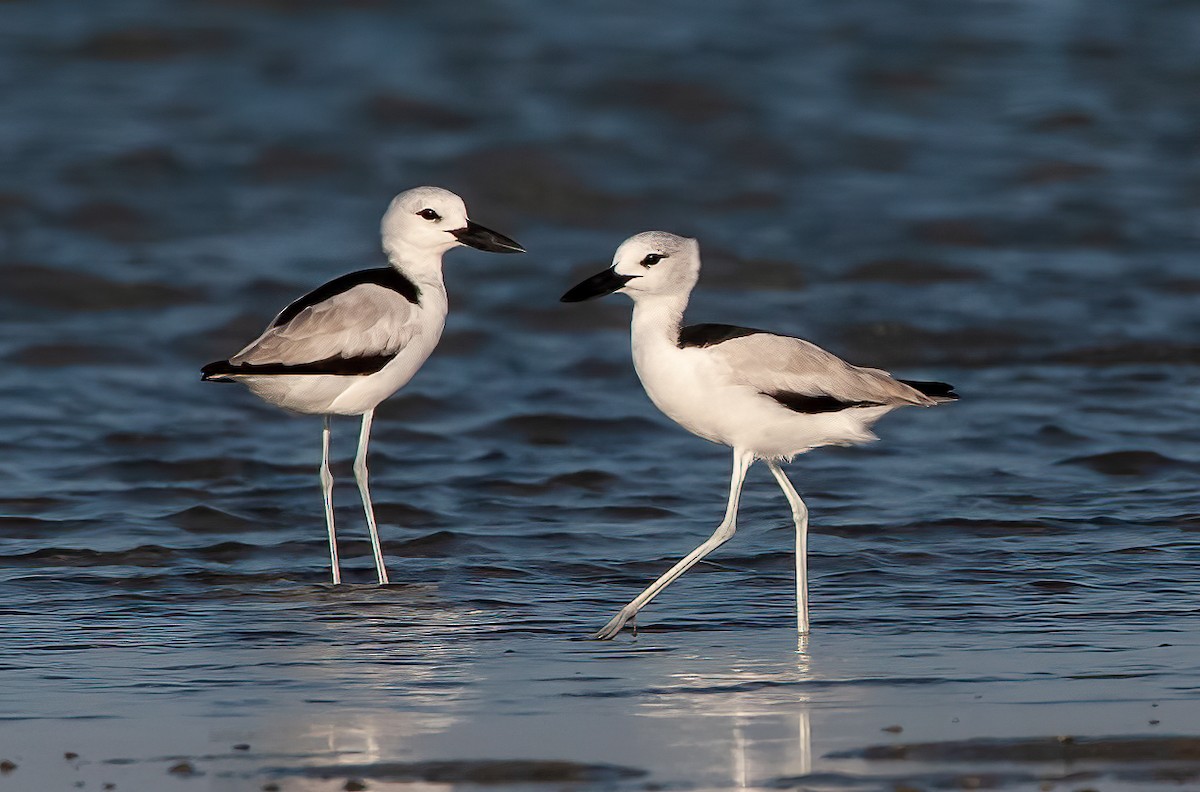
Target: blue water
1001,195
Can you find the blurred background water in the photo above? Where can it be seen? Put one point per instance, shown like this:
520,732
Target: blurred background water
1001,194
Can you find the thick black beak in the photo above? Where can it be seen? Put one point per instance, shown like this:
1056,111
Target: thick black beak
599,285
481,238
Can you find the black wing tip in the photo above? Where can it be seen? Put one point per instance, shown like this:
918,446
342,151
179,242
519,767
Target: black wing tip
224,371
813,405
934,390
217,371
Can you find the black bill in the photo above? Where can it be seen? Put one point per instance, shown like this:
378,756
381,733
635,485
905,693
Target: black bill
481,238
599,285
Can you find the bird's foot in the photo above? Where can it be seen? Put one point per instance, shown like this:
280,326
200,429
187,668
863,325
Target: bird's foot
610,630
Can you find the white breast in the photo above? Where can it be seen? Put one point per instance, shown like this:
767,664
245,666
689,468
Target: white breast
691,389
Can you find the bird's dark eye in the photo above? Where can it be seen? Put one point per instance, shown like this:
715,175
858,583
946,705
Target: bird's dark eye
429,214
652,259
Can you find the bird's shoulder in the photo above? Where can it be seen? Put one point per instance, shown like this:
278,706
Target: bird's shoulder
709,334
387,277
749,342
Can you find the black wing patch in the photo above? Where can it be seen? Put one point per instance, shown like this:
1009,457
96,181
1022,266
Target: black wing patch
803,403
936,390
220,370
705,335
387,277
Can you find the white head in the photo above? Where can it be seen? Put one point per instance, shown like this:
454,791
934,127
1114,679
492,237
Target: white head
430,221
649,264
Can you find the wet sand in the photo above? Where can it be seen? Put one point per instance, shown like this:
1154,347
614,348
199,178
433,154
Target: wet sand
690,710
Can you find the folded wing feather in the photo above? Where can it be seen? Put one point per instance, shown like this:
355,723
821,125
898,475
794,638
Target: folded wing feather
365,321
773,364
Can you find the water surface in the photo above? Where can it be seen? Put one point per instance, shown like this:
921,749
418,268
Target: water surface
1001,195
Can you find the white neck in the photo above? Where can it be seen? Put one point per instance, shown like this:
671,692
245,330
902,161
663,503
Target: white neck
422,266
658,319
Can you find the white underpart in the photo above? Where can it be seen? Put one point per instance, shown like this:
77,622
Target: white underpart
722,393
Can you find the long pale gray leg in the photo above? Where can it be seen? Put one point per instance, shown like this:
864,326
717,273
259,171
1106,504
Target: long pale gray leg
360,475
327,492
741,463
800,517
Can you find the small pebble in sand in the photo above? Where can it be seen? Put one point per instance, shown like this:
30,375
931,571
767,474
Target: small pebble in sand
241,747
110,785
893,729
354,785
7,766
272,787
182,769
1154,723
69,755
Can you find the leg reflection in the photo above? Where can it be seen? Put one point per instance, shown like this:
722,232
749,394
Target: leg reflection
804,764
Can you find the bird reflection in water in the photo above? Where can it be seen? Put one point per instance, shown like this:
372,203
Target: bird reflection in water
755,718
744,775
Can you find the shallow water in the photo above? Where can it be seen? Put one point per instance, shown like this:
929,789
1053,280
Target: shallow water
1002,195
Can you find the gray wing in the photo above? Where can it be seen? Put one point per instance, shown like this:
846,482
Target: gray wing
365,321
777,364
